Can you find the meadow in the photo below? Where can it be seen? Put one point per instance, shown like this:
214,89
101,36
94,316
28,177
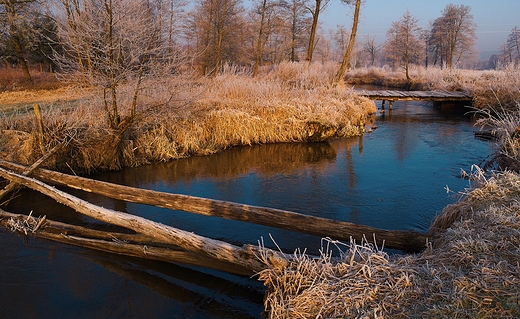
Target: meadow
202,115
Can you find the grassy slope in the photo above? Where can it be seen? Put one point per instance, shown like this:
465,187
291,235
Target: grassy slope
183,117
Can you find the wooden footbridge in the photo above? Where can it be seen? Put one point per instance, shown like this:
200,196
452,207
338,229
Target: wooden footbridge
436,96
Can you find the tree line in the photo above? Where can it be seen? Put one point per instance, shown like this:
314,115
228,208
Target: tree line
510,51
102,37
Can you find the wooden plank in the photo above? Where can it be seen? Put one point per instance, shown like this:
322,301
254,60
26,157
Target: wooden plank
340,230
436,95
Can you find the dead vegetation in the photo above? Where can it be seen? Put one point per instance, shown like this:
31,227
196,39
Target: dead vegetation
12,79
25,225
471,269
199,117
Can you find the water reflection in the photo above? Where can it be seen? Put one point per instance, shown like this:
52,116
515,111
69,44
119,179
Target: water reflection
46,280
267,160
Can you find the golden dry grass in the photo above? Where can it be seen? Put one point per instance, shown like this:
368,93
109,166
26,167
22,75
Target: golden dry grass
201,116
22,101
472,269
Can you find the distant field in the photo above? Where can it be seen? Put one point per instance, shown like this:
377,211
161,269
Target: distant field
12,101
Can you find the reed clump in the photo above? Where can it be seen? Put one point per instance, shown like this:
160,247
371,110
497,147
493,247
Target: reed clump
470,269
179,118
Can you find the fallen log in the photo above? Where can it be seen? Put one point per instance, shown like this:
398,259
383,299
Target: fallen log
408,241
246,256
135,245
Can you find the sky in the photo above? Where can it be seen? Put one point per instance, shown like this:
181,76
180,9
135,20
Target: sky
494,18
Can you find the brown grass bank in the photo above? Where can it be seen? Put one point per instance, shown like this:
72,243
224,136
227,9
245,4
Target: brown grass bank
202,116
471,269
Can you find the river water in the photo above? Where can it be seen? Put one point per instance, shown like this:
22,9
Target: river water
398,176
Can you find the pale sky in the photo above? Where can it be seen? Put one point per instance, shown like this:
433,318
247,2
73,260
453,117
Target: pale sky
494,18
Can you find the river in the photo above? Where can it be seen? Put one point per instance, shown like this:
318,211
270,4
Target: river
398,176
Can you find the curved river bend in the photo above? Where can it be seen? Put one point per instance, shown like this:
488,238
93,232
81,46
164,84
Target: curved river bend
397,177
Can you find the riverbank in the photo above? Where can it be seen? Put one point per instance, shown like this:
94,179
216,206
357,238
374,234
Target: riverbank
190,117
490,88
470,269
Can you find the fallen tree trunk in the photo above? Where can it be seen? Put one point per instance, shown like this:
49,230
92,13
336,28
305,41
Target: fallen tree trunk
409,241
246,256
135,245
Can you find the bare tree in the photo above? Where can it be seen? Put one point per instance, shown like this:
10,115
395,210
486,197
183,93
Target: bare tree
170,15
452,36
115,46
297,23
403,45
352,40
319,6
112,42
512,46
263,8
340,38
217,28
371,48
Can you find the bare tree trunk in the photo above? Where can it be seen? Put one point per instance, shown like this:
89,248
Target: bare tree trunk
222,251
405,240
348,52
259,44
314,27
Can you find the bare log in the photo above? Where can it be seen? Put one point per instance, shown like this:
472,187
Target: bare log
244,256
135,245
405,240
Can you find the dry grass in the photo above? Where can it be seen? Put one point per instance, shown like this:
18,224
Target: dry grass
472,269
25,225
199,117
361,283
11,79
505,127
11,101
